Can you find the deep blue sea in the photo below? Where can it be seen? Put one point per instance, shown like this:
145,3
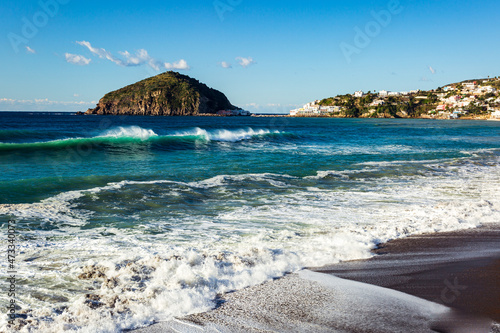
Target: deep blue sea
124,221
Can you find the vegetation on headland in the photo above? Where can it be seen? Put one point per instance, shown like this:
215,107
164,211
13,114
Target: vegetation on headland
167,94
390,107
472,99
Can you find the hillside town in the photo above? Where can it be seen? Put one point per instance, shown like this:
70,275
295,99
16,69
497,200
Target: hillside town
473,99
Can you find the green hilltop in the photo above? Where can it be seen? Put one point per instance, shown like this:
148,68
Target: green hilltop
166,94
474,99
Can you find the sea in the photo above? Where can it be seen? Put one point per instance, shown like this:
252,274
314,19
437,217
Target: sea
122,222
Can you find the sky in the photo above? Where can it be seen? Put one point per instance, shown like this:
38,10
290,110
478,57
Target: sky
266,56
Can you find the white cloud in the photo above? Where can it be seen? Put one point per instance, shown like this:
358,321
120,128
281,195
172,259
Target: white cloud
101,53
141,57
181,64
30,50
76,59
245,62
43,104
226,65
43,101
433,71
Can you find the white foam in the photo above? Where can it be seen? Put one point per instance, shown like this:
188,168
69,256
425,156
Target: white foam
331,173
159,276
226,135
394,163
129,132
221,180
349,150
58,208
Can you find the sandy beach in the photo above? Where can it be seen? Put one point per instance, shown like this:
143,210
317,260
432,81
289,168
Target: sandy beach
445,282
457,269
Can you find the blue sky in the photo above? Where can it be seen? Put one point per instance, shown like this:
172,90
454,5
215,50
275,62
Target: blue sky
266,56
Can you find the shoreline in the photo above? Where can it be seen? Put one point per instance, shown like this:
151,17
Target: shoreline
441,281
79,113
459,269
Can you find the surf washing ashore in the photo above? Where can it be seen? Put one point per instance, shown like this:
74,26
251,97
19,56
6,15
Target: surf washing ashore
440,282
124,222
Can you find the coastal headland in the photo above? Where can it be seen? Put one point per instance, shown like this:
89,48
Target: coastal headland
174,94
471,99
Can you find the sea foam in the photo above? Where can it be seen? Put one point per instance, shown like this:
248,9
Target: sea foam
224,134
129,132
125,278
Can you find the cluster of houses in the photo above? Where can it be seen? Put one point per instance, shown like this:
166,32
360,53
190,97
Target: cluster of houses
450,105
230,113
313,109
456,105
495,114
385,93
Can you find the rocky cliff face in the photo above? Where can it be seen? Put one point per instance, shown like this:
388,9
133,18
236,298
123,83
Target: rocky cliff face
167,94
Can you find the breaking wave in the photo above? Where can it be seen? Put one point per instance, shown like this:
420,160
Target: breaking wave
135,135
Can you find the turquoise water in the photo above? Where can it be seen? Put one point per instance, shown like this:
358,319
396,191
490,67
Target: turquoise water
156,216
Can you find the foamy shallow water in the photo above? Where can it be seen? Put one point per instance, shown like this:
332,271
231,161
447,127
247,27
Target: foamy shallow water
131,252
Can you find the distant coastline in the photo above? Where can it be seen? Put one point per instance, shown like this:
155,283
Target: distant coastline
471,99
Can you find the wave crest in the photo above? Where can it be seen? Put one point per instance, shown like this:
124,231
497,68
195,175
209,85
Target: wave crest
129,132
137,135
226,135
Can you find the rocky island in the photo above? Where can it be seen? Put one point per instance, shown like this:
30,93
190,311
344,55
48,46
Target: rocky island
167,94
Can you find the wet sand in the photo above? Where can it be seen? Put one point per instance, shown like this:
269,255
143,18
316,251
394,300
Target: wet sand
447,282
457,269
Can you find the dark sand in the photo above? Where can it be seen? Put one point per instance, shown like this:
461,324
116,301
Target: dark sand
458,270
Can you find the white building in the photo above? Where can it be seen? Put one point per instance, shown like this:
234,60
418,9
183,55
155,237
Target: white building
394,93
309,109
383,93
359,94
312,110
329,109
470,85
305,111
488,89
495,114
377,102
452,99
457,113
